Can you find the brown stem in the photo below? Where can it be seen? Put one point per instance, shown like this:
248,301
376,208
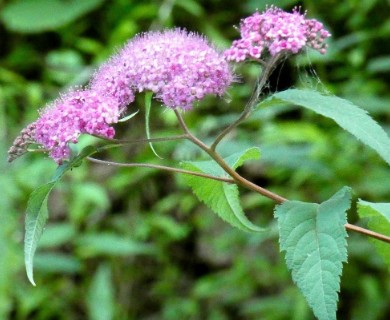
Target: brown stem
217,158
250,185
367,232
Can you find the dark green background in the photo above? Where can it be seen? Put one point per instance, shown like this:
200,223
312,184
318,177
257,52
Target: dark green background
135,243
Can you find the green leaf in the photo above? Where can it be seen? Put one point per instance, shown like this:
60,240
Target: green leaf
29,16
221,197
378,216
57,234
36,217
237,159
57,263
37,213
77,160
314,238
95,244
148,107
101,295
379,65
377,209
347,115
234,161
124,119
192,7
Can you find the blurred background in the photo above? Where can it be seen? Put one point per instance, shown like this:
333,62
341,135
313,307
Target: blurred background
136,243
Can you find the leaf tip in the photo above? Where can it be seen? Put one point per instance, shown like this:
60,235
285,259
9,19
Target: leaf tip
30,277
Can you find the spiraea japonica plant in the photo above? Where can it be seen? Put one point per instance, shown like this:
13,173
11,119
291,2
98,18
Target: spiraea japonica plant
177,69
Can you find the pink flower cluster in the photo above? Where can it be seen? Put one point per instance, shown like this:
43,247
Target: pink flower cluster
275,31
179,67
75,113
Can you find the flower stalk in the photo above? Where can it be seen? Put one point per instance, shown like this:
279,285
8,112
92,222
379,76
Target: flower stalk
268,68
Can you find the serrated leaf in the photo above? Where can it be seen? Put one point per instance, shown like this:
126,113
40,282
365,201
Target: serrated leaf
378,216
314,239
37,213
237,159
234,161
221,197
347,115
29,16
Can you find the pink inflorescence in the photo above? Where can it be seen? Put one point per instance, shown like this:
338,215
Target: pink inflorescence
276,31
77,112
179,67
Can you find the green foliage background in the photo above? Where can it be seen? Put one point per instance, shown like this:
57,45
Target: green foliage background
136,243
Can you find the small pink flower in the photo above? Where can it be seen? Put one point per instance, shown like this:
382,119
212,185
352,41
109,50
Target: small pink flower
275,31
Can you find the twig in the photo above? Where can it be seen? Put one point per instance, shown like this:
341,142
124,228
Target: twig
217,158
250,185
367,232
260,83
144,140
159,167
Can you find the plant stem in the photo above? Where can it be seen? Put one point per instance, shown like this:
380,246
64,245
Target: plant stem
250,185
159,167
260,83
367,232
217,158
145,140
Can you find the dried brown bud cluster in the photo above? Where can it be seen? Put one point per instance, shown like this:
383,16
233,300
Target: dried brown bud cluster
22,142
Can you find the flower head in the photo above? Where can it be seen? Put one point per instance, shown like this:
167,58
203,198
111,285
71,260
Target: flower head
179,67
62,122
276,31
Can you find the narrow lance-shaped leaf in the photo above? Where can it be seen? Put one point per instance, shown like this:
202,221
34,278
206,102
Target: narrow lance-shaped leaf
347,115
37,213
100,297
132,115
148,107
378,216
221,197
314,238
36,217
